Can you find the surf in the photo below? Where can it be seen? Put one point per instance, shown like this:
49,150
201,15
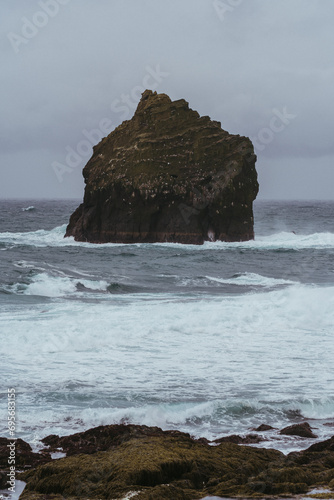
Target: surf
275,241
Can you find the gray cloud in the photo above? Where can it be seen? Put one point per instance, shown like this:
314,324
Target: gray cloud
240,62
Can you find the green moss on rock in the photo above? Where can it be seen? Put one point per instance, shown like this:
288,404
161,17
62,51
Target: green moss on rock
160,465
172,465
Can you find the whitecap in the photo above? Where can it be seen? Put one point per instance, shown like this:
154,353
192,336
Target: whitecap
40,238
277,241
251,279
46,285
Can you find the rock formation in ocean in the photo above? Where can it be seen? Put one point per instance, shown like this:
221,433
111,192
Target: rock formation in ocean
167,175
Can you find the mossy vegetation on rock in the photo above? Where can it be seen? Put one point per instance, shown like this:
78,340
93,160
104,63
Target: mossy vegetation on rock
167,175
148,465
153,464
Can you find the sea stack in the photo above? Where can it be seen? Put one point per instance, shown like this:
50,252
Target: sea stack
167,175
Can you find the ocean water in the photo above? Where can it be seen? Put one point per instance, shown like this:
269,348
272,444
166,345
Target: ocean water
211,340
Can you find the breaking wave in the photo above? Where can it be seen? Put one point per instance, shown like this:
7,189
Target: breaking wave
28,209
282,240
57,286
61,285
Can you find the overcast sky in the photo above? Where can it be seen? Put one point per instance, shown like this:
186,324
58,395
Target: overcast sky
72,70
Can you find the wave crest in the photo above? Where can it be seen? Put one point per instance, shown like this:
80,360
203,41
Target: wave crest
277,241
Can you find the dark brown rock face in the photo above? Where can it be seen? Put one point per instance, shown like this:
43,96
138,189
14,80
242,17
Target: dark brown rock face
102,438
236,439
301,430
167,175
24,458
263,428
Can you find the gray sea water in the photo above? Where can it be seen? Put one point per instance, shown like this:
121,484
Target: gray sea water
211,340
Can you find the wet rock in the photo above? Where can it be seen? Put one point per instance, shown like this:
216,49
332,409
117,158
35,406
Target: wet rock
327,445
162,465
167,175
235,438
3,479
102,438
302,430
264,428
320,456
168,465
24,458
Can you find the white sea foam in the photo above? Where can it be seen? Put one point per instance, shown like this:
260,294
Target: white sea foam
283,240
296,241
60,284
40,238
215,498
212,419
94,285
28,209
50,286
276,241
45,285
217,365
19,487
243,279
288,313
251,279
130,494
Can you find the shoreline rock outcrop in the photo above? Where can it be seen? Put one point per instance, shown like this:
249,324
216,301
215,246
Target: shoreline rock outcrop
147,463
25,458
167,175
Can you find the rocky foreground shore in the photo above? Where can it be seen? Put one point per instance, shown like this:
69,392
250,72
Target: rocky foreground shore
146,463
